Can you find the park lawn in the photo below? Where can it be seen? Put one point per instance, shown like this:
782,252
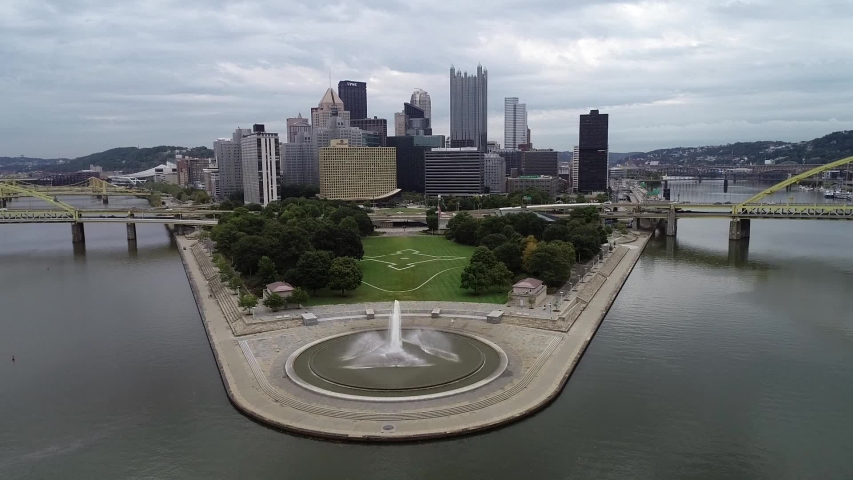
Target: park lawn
410,268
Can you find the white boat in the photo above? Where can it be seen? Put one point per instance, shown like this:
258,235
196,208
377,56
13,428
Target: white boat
828,194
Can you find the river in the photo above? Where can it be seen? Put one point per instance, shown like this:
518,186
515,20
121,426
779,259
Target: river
714,362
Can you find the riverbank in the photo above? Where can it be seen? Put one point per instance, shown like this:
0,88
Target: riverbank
542,354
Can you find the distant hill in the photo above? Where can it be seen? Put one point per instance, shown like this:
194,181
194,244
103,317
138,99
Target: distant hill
128,159
821,150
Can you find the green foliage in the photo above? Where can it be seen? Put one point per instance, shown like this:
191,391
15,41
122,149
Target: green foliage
124,159
266,270
510,254
312,270
463,229
298,191
200,197
551,263
493,241
235,283
581,198
556,231
344,274
432,222
248,302
537,197
485,272
340,241
622,228
275,302
247,253
602,197
349,223
298,296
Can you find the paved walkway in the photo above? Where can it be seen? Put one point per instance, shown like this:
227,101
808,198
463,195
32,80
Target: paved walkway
541,359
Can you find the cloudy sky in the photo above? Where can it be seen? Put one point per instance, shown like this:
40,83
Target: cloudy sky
80,76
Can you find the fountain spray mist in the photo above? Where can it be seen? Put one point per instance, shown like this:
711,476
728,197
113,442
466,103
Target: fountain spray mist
395,328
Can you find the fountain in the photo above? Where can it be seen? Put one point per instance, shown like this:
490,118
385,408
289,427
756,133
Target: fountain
396,363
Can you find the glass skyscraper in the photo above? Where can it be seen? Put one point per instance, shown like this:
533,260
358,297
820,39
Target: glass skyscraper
592,152
469,108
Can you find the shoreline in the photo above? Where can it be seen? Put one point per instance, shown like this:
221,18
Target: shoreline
544,355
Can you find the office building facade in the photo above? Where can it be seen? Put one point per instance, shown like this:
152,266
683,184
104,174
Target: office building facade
546,183
592,152
540,162
211,182
299,163
469,108
260,151
357,173
513,160
453,171
229,160
379,126
411,152
421,99
515,123
354,96
574,166
296,125
494,173
330,106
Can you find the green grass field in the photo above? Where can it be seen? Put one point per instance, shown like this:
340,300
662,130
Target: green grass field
410,268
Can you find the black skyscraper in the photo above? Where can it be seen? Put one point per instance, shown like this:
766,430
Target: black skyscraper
592,161
354,96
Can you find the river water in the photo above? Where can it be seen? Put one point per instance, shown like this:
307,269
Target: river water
714,362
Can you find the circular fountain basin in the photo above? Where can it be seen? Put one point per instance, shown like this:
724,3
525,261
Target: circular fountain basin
463,363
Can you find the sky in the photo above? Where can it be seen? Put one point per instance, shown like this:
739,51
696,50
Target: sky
82,76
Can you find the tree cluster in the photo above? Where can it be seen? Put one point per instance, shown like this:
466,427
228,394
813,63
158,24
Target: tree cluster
526,243
309,243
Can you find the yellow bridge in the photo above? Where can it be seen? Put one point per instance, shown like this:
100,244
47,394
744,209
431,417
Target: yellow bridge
62,212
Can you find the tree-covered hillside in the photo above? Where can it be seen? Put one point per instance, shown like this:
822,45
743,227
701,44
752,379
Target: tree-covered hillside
130,159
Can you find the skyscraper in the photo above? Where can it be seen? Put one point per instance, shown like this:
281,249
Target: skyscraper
261,152
330,105
357,173
592,158
515,123
494,173
469,108
421,100
298,163
575,157
230,162
453,171
417,123
376,125
296,125
354,96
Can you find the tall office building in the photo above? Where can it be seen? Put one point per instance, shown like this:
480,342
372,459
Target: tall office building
330,105
261,152
469,108
411,151
575,157
298,165
540,162
453,171
296,125
399,124
592,158
229,159
417,123
354,96
513,160
494,173
357,173
515,123
379,126
421,100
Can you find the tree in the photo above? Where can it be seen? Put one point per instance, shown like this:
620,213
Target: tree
551,264
555,232
275,302
484,272
432,222
529,247
349,223
234,283
201,197
291,245
247,252
581,198
586,239
312,270
510,254
297,296
450,231
344,274
248,302
493,241
266,270
601,198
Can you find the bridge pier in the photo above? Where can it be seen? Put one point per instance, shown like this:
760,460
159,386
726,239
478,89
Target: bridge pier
739,252
131,232
106,200
78,233
739,229
671,223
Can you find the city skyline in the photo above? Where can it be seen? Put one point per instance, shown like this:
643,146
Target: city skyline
739,76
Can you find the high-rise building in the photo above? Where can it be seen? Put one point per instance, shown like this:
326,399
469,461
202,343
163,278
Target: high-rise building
379,126
575,164
592,158
421,100
211,182
410,159
330,105
540,162
494,173
515,123
399,124
469,108
261,152
417,123
513,159
545,183
453,171
191,171
296,125
354,96
229,160
338,128
298,165
357,173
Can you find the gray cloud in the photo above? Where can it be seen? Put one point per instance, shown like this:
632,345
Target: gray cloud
80,76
